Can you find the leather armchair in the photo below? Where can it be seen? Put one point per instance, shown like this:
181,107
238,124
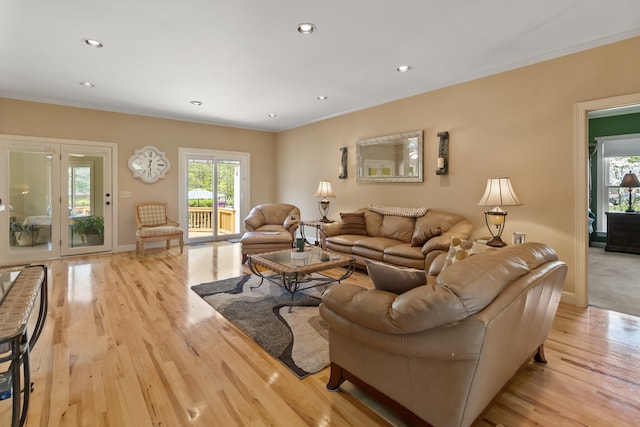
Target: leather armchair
441,351
270,227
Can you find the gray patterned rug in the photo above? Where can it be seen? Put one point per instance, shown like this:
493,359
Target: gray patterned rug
298,339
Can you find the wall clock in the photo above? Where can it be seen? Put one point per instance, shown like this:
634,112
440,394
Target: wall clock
149,164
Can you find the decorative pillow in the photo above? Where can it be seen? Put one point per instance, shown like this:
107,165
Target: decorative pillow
420,237
463,249
394,279
353,223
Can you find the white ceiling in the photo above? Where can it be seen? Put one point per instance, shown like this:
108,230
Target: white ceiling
244,59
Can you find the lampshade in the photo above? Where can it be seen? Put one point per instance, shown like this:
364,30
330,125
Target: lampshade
499,192
630,180
325,190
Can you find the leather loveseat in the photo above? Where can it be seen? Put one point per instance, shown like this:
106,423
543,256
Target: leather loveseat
441,351
406,237
270,227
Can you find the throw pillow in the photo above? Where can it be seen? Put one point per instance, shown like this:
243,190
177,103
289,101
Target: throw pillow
420,237
463,249
394,279
353,223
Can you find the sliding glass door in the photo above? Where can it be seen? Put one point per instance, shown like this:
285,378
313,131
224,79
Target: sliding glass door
213,185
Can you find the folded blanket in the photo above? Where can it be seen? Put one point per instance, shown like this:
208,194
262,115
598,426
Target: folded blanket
398,211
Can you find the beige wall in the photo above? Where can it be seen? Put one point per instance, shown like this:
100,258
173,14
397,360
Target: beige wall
518,123
130,132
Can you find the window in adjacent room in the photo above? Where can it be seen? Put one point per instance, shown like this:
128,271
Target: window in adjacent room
619,155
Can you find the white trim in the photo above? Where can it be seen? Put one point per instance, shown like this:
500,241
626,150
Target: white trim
581,204
245,169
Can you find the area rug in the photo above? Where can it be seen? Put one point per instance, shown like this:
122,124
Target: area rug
298,339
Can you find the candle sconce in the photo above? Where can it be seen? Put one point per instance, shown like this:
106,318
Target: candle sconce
343,164
443,154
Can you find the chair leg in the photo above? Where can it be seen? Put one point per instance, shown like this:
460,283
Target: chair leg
181,243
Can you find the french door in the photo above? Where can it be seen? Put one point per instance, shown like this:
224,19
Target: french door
56,197
213,185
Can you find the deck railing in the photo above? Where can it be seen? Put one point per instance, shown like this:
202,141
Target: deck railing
201,220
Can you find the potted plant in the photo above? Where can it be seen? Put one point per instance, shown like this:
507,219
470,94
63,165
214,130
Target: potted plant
25,234
90,229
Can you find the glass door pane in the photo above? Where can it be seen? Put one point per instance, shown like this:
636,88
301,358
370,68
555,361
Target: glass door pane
86,200
27,195
200,198
228,179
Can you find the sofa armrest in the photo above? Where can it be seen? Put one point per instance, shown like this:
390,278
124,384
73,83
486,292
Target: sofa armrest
291,221
254,220
461,229
421,308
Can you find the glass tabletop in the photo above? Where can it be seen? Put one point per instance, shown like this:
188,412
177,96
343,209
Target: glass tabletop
292,259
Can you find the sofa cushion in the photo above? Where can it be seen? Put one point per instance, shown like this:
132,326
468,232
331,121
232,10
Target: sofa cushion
353,223
376,243
397,227
404,250
463,249
421,235
394,279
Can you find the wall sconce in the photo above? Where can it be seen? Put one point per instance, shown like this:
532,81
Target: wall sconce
443,154
343,164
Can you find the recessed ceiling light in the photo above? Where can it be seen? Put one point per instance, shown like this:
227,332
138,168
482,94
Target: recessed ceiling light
403,68
197,103
272,115
87,84
92,43
306,28
321,98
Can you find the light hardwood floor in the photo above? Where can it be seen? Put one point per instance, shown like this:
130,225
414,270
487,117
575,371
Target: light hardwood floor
127,343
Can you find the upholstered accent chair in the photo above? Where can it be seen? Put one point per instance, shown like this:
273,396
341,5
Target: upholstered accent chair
270,227
155,225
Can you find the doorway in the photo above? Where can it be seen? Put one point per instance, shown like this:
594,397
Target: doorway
213,185
581,294
57,198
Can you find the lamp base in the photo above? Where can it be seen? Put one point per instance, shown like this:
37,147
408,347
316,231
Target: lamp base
325,219
496,242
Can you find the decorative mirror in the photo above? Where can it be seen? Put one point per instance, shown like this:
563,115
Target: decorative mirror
391,158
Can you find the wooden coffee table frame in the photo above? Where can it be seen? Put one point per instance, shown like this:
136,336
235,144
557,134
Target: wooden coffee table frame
291,277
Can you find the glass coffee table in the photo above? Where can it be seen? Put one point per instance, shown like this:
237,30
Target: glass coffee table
292,270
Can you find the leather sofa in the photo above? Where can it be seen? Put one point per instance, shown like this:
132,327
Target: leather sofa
441,351
406,241
270,227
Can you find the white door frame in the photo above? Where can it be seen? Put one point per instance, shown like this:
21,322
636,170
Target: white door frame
245,177
54,146
581,188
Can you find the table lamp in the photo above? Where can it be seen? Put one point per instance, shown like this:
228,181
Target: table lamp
630,180
324,191
499,192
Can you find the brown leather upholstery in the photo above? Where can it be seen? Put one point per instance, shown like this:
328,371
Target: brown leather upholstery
445,349
270,227
391,238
